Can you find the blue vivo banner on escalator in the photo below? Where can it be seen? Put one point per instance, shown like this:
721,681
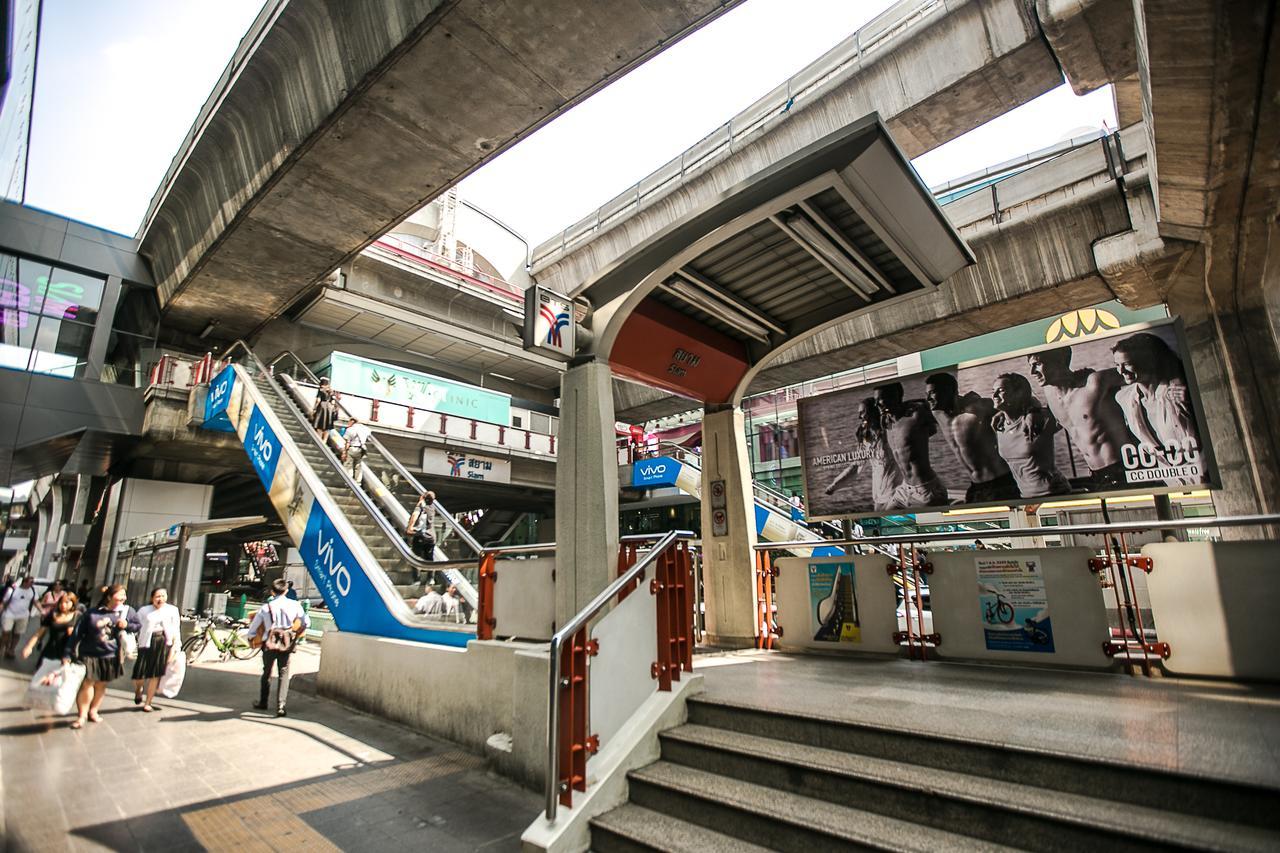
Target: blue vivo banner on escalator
263,447
348,592
219,397
660,471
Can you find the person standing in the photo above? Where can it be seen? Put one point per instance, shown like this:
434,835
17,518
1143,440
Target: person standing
18,602
872,450
354,441
1156,403
96,644
59,626
49,601
1024,435
421,540
965,422
908,425
157,645
324,412
279,623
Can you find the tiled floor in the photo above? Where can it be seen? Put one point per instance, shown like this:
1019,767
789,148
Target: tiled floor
1208,728
209,773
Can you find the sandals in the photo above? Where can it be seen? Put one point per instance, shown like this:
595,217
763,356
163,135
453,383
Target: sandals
147,709
77,724
137,698
94,718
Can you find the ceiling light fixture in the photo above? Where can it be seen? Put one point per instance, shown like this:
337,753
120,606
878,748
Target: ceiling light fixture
208,329
825,252
725,314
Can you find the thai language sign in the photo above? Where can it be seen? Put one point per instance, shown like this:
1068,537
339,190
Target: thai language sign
833,604
368,378
1111,414
465,466
1012,604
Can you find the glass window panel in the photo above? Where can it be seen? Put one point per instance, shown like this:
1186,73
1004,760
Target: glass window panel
123,363
61,347
25,290
17,332
138,312
72,296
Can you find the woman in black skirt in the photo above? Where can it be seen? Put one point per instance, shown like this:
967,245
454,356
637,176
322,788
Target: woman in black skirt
59,626
325,411
96,644
157,644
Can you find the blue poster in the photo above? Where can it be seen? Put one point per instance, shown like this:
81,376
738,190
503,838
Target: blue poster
1013,605
263,447
215,404
662,471
350,595
833,604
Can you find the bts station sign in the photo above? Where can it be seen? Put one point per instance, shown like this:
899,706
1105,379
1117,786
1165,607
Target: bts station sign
548,322
1110,415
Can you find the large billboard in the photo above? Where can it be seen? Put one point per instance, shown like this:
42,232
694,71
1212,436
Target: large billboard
1112,414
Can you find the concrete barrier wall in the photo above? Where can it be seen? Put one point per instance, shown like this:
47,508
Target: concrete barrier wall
1214,604
874,601
489,697
524,598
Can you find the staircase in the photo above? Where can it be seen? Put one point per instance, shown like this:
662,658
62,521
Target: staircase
743,779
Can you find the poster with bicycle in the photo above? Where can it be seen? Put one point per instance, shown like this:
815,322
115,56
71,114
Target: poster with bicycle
833,603
1013,605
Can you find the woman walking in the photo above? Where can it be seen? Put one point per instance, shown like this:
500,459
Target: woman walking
96,644
59,626
325,411
157,645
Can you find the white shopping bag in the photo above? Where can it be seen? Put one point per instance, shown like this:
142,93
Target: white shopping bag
171,681
54,686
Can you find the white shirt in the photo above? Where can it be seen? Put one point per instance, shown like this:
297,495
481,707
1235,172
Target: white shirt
279,612
431,604
18,601
165,618
357,435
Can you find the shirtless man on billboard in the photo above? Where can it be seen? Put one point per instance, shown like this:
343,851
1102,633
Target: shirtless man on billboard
1156,403
1024,435
908,425
1084,402
872,450
966,427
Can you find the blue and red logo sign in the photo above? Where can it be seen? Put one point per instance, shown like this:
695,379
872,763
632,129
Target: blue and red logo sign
555,323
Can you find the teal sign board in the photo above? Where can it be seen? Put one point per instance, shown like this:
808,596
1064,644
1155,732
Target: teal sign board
367,378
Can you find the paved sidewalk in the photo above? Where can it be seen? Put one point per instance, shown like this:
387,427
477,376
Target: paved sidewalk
209,773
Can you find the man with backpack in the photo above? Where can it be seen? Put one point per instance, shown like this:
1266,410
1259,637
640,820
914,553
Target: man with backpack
422,540
276,627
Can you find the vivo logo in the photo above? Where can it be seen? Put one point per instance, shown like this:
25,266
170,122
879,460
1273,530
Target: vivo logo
219,393
653,469
332,565
262,445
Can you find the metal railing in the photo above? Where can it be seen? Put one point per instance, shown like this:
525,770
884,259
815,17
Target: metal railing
402,247
557,681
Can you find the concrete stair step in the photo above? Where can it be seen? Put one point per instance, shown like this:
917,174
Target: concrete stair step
781,820
1217,799
999,811
632,828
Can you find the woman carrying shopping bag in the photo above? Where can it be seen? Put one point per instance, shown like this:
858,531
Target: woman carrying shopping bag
97,644
57,680
157,645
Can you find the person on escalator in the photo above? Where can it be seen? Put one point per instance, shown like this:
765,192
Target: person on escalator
325,410
421,540
354,441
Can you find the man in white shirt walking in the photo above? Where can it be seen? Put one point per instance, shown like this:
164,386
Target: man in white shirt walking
277,626
355,438
17,605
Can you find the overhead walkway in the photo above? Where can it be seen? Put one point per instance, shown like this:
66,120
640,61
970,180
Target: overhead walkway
349,535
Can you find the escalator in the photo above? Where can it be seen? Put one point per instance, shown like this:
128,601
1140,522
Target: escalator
349,537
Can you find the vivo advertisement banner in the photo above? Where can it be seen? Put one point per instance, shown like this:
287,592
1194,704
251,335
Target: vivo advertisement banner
648,473
348,592
215,404
263,447
1113,414
367,378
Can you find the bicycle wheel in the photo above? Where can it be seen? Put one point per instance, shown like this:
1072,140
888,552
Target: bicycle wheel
193,646
1004,612
241,649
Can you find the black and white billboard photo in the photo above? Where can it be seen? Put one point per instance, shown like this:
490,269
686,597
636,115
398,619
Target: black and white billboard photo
1112,414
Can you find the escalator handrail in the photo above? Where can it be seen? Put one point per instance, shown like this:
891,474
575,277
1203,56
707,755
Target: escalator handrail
395,463
376,514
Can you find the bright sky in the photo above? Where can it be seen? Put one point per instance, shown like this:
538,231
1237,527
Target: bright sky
120,83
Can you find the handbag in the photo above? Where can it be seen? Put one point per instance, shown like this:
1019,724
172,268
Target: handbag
128,643
174,674
280,639
54,686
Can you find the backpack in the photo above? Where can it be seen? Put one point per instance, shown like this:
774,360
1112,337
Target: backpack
279,639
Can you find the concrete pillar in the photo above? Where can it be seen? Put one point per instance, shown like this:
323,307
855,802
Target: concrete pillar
586,489
728,561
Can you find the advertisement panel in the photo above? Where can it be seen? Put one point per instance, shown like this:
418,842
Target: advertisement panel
217,401
465,466
548,322
1109,415
662,471
1013,605
833,604
263,447
365,377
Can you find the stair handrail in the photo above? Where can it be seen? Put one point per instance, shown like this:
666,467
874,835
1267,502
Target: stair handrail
379,518
585,615
396,464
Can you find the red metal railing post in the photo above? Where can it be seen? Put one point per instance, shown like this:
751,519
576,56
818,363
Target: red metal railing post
627,553
502,434
660,587
444,419
474,426
373,410
485,621
409,418
575,743
553,443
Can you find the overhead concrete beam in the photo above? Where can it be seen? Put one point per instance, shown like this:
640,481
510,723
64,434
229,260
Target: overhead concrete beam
336,120
1092,40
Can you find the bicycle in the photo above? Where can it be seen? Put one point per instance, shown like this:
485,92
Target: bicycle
999,611
224,634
